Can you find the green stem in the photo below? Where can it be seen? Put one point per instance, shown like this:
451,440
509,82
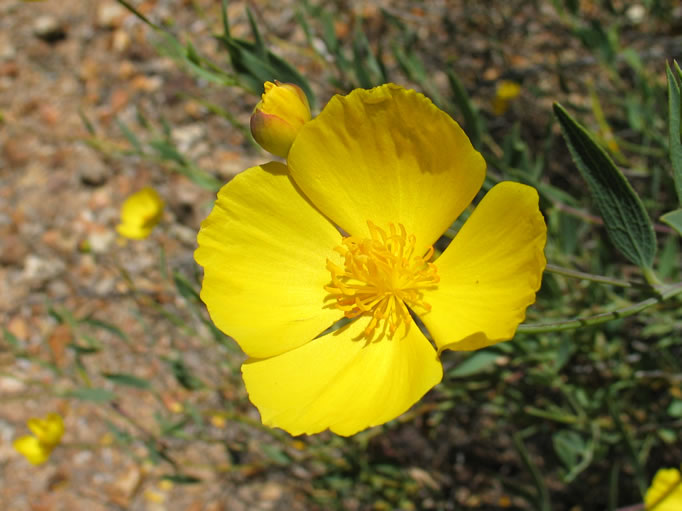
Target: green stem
574,274
543,501
651,277
614,411
571,324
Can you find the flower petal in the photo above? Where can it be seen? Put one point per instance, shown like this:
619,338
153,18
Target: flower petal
490,272
264,250
388,155
48,430
342,382
665,492
32,449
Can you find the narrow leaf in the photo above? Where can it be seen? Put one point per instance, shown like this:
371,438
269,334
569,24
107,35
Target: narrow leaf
226,20
674,128
257,36
104,325
674,220
137,13
98,395
181,478
185,288
11,338
627,222
472,123
127,379
478,362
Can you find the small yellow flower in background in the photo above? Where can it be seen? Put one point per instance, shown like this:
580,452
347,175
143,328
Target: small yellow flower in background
47,433
506,91
665,492
279,116
140,213
347,231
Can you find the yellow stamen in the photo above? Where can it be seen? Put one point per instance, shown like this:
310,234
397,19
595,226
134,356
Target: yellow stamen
382,277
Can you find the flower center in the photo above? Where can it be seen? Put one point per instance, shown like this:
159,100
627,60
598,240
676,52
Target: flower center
382,277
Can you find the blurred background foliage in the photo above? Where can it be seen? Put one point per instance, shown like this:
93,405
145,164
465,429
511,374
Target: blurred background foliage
576,419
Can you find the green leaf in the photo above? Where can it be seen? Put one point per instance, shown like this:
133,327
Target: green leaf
97,395
477,362
11,339
569,446
83,350
137,13
98,323
183,375
121,436
181,478
674,127
130,136
275,454
185,288
673,219
255,64
127,379
258,38
472,121
627,222
675,408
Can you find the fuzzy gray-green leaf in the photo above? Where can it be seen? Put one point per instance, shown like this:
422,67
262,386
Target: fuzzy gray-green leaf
627,222
674,127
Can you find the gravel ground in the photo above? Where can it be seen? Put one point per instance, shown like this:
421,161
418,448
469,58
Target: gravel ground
59,200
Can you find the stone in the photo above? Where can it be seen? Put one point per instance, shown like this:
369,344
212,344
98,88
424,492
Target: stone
101,241
90,168
49,29
13,250
126,485
110,15
185,137
38,270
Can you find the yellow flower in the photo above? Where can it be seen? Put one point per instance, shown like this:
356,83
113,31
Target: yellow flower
48,433
140,213
279,116
665,492
347,231
504,93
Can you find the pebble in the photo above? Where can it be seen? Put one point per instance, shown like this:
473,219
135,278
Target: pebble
91,169
38,270
9,385
186,136
48,28
636,13
125,486
120,41
16,151
110,15
13,250
7,49
101,241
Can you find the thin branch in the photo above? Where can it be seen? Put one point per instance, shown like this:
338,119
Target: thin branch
571,324
575,274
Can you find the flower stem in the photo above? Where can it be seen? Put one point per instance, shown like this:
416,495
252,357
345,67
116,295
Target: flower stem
575,274
651,277
571,324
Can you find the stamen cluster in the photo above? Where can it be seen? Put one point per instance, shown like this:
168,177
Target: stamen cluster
382,277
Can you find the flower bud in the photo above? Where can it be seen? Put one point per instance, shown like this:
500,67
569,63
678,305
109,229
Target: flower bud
140,213
505,92
279,116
